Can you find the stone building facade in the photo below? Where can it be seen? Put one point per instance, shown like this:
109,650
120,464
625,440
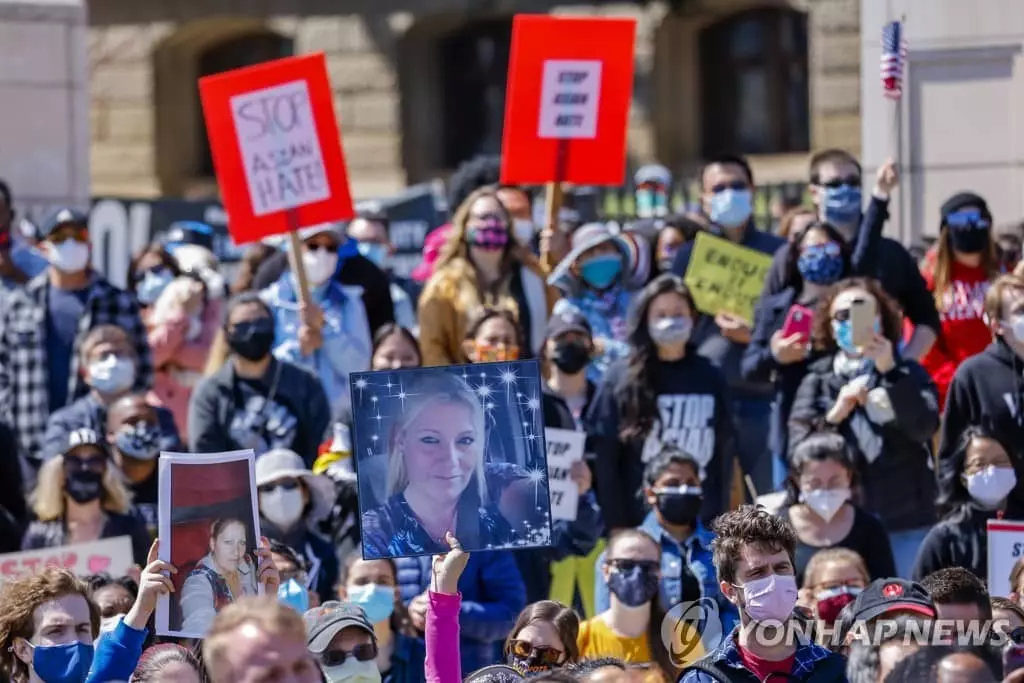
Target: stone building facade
419,83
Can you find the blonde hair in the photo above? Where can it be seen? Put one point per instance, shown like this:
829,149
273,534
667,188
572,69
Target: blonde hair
432,389
995,293
266,612
823,557
47,499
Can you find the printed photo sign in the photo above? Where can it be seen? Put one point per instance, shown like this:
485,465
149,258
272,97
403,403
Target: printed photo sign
565,448
725,277
110,555
1005,548
276,147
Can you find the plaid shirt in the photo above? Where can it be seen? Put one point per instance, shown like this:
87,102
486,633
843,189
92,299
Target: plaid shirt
24,392
808,655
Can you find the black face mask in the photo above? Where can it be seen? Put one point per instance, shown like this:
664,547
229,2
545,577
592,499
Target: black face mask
635,586
252,339
681,509
969,240
83,486
571,356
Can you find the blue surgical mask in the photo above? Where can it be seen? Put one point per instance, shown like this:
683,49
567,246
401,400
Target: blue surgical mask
821,264
842,332
731,208
68,663
841,205
294,594
375,252
152,285
377,601
600,271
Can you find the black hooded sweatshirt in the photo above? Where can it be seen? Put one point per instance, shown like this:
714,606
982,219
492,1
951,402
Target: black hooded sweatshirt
987,390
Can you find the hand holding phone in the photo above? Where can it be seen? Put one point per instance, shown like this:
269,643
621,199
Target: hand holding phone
862,323
798,321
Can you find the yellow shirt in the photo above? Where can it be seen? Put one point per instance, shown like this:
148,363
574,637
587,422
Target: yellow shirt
597,639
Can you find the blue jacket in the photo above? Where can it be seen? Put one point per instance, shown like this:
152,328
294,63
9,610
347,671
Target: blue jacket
407,661
492,597
695,551
117,653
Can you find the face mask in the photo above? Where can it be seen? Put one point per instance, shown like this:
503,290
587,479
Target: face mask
111,374
282,506
1017,328
667,260
770,599
377,253
83,486
489,237
320,265
680,505
353,671
486,353
832,601
825,502
992,485
377,601
821,264
842,332
252,339
571,357
152,285
601,271
70,256
68,663
140,441
295,595
671,330
841,205
969,240
633,587
523,230
731,208
651,203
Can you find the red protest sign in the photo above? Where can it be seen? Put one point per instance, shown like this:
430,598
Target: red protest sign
570,83
276,147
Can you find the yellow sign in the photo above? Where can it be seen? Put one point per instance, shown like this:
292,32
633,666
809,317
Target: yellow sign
725,277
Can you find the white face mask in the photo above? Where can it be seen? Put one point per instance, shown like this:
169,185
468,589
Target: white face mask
992,485
70,256
523,231
353,671
282,506
825,502
1016,327
320,265
111,374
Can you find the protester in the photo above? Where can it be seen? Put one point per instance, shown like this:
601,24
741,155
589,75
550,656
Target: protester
883,405
254,400
113,596
958,595
727,185
481,265
833,579
133,438
1004,609
442,663
1008,247
754,558
821,508
254,639
796,221
543,638
394,348
371,230
986,388
976,482
672,489
292,500
675,231
109,368
81,498
492,334
13,507
168,663
662,394
12,268
519,205
890,598
631,627
959,272
653,183
39,369
871,661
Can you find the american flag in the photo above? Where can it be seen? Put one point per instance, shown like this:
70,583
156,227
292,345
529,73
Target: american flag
894,57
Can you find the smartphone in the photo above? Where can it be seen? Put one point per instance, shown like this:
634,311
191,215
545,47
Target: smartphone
862,322
1013,658
798,321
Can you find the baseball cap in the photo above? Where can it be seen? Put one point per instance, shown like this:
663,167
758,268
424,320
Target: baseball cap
327,620
883,596
569,319
62,216
85,437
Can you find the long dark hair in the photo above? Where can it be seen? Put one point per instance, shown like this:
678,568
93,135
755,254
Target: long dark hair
952,491
166,260
817,447
638,402
388,329
792,271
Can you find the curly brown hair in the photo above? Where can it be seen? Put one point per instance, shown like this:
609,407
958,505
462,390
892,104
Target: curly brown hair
888,311
748,525
19,600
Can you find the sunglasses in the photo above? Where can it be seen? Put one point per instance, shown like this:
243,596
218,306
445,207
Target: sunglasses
543,656
967,220
734,185
77,462
630,565
142,274
848,181
297,574
79,233
319,246
286,484
362,653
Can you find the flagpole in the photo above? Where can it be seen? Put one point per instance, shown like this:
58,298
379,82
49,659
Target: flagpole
906,229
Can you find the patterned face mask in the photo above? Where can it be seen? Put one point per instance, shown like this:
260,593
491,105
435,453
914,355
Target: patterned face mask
490,234
489,353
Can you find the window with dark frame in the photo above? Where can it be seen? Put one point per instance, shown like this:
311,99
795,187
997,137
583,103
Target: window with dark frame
754,83
234,53
473,63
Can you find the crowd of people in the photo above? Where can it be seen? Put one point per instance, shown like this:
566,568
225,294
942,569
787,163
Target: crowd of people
876,461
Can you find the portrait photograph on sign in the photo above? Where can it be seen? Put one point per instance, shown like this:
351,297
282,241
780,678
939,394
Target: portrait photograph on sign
209,530
457,448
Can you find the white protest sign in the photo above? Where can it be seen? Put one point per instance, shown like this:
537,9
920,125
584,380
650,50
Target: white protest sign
570,93
280,148
565,447
111,555
1005,548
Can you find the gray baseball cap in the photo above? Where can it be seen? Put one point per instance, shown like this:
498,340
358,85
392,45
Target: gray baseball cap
327,620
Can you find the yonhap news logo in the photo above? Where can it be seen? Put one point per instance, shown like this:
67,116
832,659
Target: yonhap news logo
689,625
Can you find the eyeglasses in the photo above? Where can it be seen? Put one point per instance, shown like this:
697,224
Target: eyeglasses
155,272
79,233
544,656
630,565
848,181
362,653
734,185
286,484
74,463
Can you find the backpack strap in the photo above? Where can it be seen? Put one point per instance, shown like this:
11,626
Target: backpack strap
712,669
832,669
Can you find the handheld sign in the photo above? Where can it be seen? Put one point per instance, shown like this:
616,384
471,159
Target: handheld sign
725,277
276,147
1005,549
565,447
110,555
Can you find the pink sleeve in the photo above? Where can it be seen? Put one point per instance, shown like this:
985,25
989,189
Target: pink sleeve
165,340
442,637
